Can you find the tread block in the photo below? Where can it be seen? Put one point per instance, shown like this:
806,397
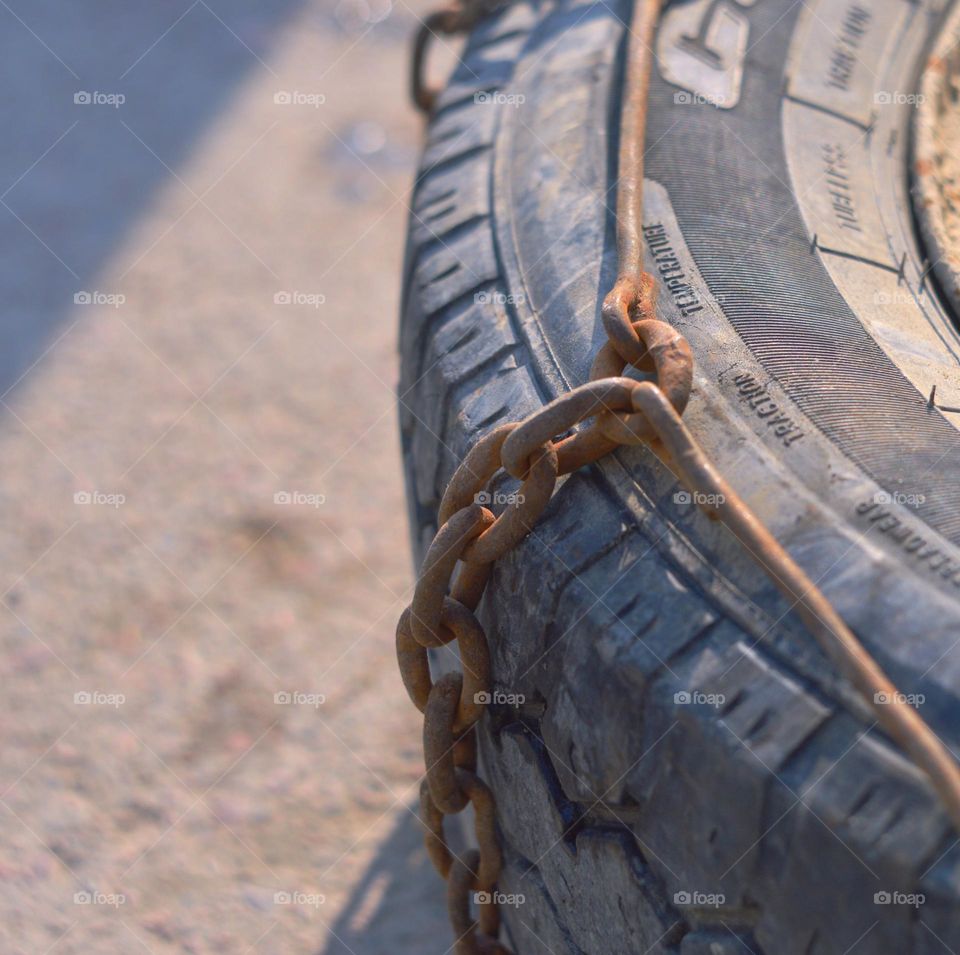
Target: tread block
449,270
426,447
544,819
699,775
473,335
484,405
536,928
470,337
608,897
457,134
447,200
819,878
755,692
512,18
530,580
612,893
489,67
868,792
937,930
616,625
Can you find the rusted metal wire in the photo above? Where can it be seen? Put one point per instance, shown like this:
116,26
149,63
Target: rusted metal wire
632,295
536,451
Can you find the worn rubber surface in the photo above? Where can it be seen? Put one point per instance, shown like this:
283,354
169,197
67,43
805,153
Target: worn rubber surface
685,772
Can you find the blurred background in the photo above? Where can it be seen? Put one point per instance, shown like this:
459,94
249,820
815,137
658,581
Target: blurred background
205,745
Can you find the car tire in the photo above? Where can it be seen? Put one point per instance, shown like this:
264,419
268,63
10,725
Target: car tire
677,767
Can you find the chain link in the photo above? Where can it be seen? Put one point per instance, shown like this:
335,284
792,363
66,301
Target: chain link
538,450
460,18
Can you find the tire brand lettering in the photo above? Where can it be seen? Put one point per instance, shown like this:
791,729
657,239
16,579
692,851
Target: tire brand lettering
910,541
843,60
755,396
837,176
685,296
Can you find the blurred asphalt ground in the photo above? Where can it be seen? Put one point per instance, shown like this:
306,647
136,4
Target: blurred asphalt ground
201,483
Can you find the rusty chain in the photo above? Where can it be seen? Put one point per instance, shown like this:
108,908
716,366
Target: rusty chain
459,18
537,451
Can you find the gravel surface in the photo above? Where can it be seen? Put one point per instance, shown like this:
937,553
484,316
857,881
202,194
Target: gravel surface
202,482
